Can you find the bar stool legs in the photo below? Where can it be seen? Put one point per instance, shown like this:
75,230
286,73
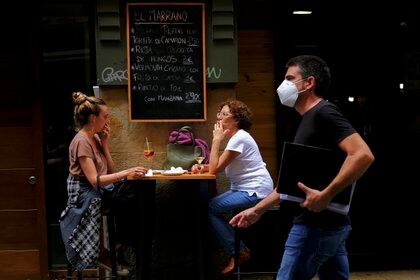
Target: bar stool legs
237,241
111,234
70,272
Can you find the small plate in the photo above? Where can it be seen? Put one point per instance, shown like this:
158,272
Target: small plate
172,173
157,171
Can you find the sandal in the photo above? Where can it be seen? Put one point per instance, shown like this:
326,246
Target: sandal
122,271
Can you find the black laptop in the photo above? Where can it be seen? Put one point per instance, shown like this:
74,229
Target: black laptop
315,167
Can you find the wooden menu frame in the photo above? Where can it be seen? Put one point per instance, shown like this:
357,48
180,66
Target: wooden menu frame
166,62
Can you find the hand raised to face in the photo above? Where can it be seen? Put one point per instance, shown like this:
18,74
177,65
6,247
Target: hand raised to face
105,134
218,132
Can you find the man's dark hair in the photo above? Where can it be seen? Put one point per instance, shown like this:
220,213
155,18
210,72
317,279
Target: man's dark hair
311,65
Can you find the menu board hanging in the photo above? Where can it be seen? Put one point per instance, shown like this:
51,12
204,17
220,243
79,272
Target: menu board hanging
166,62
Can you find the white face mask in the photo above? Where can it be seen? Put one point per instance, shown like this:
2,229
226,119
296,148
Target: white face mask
288,93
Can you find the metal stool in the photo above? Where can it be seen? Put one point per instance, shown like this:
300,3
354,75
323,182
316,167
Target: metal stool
110,221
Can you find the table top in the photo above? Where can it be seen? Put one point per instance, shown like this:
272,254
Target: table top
185,176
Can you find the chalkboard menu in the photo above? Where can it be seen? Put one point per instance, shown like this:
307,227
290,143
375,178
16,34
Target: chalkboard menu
166,62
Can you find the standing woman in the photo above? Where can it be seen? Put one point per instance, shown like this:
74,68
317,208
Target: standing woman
91,169
244,166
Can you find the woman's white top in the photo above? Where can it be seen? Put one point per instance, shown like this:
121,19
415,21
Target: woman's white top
247,172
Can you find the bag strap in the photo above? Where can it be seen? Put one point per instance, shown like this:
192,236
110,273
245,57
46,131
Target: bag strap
185,128
188,130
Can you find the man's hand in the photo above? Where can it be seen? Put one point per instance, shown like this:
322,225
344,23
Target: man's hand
315,200
245,218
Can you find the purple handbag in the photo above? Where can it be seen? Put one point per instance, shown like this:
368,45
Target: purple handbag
180,149
184,136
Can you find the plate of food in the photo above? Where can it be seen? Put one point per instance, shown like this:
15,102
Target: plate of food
174,171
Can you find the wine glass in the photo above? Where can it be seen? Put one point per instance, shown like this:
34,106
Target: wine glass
199,154
148,150
199,157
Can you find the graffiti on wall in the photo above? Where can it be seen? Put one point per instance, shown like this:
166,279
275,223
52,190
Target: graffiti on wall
109,75
214,72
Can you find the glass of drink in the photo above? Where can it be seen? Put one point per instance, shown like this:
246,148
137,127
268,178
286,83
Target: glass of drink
199,156
148,150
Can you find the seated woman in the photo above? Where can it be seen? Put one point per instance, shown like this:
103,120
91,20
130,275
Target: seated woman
91,169
244,166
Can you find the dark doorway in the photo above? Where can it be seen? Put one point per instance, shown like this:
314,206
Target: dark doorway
23,242
66,67
374,59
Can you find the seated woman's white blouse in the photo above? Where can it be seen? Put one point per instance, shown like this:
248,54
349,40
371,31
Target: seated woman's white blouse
247,172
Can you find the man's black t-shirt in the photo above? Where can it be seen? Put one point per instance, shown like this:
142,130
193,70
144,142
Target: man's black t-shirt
322,126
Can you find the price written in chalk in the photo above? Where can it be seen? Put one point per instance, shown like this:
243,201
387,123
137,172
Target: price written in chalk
166,61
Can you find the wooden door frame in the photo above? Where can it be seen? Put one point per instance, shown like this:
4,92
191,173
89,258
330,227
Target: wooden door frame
39,155
40,184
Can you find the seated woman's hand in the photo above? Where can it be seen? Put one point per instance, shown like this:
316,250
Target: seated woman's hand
196,168
137,172
105,134
218,132
199,168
